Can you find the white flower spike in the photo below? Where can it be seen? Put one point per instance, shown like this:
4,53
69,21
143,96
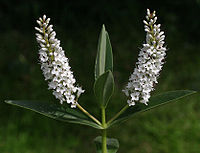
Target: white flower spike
149,65
55,65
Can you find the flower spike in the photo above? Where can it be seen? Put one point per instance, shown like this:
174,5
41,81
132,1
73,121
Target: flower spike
149,64
55,65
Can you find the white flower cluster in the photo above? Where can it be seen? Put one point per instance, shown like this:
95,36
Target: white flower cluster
150,62
55,65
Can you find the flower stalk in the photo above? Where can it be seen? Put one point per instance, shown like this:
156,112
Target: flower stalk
88,114
118,114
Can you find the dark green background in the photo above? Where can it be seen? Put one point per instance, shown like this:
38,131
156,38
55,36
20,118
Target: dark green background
171,129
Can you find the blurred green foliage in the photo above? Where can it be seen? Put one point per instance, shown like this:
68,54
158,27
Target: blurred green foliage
171,129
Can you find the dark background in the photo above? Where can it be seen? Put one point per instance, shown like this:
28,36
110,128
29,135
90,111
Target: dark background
174,128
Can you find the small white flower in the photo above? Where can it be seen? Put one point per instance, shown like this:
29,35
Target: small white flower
55,65
149,65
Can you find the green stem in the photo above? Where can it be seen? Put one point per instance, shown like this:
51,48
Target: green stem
88,114
104,144
118,114
104,141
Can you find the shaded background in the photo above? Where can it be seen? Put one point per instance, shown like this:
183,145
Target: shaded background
174,128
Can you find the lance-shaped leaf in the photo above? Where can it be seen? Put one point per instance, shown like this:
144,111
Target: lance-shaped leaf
154,102
104,58
56,111
103,88
112,144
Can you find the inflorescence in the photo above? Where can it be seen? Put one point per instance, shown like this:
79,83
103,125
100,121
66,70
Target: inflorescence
149,64
55,65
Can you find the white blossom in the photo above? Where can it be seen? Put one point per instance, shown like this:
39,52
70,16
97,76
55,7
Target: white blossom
55,65
149,64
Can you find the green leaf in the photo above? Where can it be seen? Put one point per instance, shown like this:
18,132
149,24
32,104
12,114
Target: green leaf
154,102
112,144
56,111
104,58
104,87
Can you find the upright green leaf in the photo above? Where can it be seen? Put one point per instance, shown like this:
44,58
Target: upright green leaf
56,111
154,102
112,144
104,87
104,58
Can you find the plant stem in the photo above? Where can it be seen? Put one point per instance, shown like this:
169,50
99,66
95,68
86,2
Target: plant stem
88,114
104,141
118,114
104,144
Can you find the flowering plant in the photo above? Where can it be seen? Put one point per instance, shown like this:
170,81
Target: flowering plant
57,71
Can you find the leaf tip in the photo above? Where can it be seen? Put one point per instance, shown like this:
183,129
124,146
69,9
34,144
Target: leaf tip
194,91
103,28
8,101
